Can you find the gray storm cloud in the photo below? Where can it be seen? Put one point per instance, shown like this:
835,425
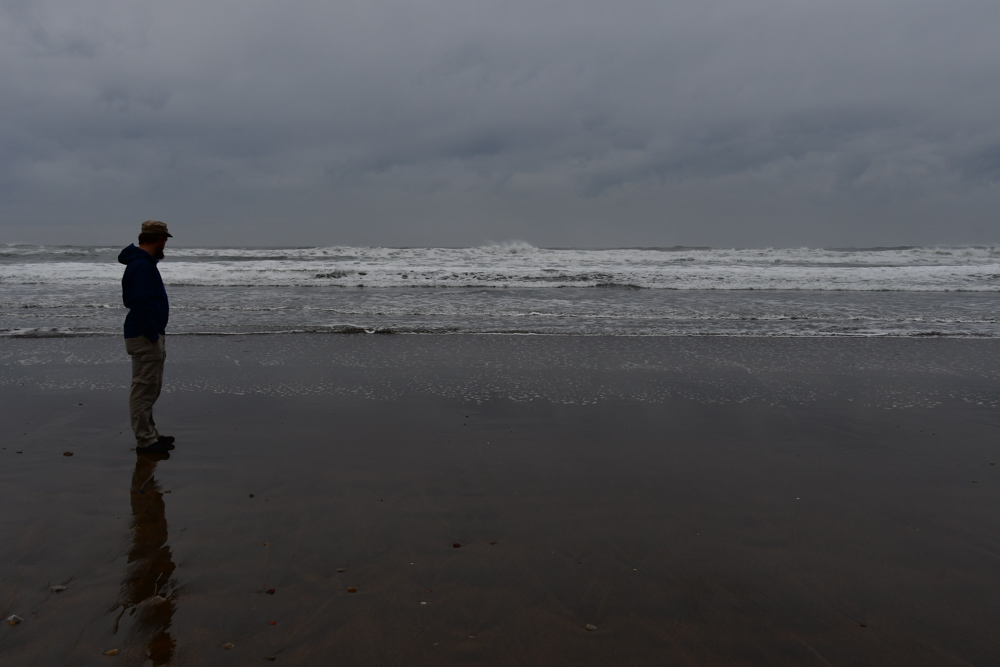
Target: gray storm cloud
449,123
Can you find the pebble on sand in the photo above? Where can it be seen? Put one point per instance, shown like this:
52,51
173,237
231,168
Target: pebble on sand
228,646
590,627
352,589
14,619
112,652
456,545
58,588
270,591
67,453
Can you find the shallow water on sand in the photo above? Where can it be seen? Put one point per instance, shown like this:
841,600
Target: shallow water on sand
705,501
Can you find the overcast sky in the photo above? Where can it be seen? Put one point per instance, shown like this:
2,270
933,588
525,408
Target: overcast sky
561,123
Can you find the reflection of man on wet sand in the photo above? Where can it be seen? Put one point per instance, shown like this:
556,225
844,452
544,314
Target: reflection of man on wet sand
148,587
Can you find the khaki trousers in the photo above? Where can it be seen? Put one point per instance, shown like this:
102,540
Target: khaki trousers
147,380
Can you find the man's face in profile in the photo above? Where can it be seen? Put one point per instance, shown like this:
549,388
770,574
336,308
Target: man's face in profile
158,252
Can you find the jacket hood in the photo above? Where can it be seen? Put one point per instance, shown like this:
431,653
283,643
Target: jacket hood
132,253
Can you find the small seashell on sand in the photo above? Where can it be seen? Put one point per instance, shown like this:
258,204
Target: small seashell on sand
229,646
112,652
14,619
590,627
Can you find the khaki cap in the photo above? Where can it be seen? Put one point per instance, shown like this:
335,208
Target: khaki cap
155,227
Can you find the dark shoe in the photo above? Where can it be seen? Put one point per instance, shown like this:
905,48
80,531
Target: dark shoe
168,439
158,447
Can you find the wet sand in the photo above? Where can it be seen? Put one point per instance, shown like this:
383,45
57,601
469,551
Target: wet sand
699,501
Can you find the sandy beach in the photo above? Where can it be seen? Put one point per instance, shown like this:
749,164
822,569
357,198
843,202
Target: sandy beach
694,501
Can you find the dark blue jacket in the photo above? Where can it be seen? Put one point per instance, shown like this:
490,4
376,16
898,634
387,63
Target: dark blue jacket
143,295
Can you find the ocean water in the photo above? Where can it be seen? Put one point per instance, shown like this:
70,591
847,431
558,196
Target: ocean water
515,288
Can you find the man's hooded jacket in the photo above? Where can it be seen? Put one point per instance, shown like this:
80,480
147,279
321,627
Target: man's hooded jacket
143,294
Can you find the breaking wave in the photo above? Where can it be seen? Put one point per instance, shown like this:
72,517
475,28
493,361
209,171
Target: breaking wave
519,289
518,264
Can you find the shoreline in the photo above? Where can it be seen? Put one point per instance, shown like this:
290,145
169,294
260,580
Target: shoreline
352,330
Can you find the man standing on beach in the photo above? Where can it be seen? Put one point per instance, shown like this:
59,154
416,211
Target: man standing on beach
145,332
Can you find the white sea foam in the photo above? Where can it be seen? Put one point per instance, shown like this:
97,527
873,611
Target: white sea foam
522,265
689,291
